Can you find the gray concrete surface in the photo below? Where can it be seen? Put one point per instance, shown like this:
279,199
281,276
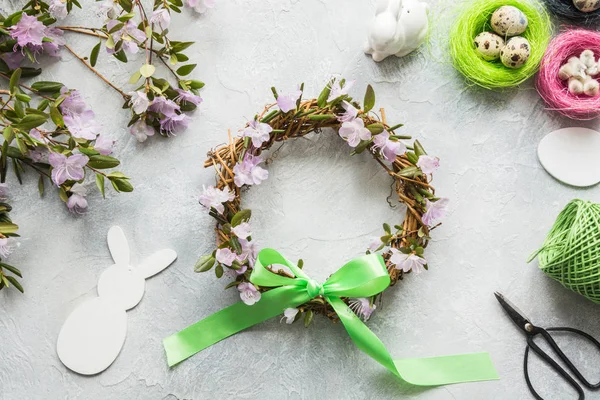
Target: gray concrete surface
319,204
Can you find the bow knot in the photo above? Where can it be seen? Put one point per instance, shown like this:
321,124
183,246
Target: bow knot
314,288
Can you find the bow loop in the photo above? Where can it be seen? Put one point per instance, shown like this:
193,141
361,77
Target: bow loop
314,288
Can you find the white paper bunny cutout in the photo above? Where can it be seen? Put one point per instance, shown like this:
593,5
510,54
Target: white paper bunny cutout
93,334
399,28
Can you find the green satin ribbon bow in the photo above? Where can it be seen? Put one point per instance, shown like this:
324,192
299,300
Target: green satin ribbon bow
365,276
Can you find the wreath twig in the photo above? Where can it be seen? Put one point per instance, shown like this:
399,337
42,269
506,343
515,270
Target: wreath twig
236,165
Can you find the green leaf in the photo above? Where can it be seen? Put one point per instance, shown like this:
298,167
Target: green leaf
324,95
135,77
94,54
419,150
47,86
12,269
235,244
8,134
321,117
122,185
241,216
7,227
205,263
369,101
115,28
387,229
386,239
56,117
41,185
185,69
376,128
147,70
219,270
410,172
14,81
88,151
361,146
102,162
196,84
23,97
31,121
110,42
308,317
180,57
15,283
177,47
121,56
100,184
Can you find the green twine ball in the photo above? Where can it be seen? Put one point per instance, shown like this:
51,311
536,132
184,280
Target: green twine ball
473,19
571,252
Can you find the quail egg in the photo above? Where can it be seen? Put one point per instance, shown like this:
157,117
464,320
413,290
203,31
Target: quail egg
587,5
488,45
509,21
515,52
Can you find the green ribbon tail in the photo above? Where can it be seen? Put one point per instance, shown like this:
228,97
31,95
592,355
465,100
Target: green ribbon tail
230,321
432,371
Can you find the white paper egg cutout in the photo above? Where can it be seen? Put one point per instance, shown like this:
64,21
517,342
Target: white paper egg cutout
92,336
572,155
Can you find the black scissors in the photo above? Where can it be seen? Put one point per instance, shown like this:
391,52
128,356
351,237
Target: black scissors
532,331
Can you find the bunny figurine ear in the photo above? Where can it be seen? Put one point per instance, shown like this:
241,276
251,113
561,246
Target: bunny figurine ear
156,262
117,244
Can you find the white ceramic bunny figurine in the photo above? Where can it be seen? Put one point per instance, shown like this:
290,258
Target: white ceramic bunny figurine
399,28
93,334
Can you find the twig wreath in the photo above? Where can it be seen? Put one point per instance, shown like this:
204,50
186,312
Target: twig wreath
237,165
269,284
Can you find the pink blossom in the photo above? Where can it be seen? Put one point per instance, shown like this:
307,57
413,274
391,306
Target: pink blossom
141,131
161,17
362,307
51,48
58,9
67,168
12,60
248,293
77,203
435,211
242,231
248,172
173,124
5,247
249,251
428,164
350,114
139,101
214,198
407,262
225,256
104,145
28,31
201,6
289,314
354,131
129,34
337,90
187,97
389,149
83,125
258,131
4,191
164,106
234,273
287,102
73,102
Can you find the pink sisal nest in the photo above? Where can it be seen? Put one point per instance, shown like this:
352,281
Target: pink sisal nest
553,90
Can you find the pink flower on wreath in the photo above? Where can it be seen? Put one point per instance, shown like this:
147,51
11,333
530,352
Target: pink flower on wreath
428,164
249,251
242,231
28,31
139,101
67,168
214,198
435,211
248,293
389,149
354,131
362,307
336,89
225,256
287,102
258,131
248,172
407,262
350,113
77,204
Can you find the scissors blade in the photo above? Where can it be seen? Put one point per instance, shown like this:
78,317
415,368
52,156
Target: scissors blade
513,312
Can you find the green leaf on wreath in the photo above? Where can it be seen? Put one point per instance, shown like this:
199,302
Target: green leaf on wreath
369,101
240,216
205,263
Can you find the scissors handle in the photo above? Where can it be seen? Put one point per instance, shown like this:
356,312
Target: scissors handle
563,357
550,361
